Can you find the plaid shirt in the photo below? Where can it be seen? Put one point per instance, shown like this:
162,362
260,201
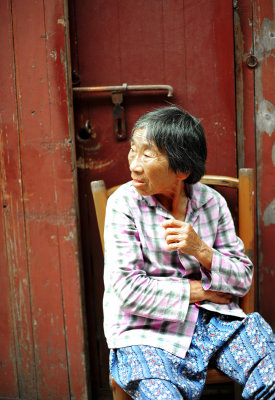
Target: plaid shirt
147,290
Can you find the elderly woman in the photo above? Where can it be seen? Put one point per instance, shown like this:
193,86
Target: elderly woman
173,265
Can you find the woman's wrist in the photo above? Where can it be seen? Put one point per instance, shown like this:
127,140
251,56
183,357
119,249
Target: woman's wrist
205,256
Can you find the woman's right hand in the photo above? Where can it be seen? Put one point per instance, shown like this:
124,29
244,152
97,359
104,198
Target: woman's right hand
197,293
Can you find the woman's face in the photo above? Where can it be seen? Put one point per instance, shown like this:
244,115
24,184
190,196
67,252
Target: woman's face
149,167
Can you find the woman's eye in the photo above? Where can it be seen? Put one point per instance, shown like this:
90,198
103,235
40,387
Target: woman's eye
148,154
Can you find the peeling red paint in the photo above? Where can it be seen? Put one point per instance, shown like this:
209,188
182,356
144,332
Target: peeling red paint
41,292
264,28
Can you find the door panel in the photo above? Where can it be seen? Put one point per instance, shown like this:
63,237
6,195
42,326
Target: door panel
185,44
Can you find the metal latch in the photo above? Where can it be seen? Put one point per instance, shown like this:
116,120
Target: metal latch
119,116
117,99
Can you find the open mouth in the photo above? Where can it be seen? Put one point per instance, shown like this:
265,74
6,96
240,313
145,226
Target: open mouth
137,183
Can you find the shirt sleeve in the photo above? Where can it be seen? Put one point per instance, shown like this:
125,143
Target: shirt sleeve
125,276
231,270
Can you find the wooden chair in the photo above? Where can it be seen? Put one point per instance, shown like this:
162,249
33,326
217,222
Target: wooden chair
245,188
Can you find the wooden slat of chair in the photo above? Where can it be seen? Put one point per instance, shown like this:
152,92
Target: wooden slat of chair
245,187
100,197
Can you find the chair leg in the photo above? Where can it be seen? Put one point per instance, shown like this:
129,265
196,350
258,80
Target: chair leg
237,391
118,392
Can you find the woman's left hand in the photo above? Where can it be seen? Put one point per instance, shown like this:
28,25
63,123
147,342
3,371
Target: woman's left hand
180,235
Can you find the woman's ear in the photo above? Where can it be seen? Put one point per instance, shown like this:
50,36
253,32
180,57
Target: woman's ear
181,176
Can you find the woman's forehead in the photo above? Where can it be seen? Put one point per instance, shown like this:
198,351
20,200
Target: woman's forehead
140,136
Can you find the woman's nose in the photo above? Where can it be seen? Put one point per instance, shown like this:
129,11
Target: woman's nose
135,164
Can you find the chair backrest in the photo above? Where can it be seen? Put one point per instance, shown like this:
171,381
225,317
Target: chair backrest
245,187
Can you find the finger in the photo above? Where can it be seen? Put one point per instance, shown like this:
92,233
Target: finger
227,297
172,223
182,238
171,231
222,294
173,239
178,245
172,247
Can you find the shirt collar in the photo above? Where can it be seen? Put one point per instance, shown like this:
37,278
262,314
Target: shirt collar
198,193
151,201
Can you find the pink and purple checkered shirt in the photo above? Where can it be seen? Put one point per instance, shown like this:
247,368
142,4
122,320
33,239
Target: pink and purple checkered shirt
147,290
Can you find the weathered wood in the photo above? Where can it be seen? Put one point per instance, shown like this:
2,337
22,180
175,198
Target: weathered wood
45,335
18,340
264,75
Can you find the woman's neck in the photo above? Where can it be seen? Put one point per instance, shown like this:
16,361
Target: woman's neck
176,203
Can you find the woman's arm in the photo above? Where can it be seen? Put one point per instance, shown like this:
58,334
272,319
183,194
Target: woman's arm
197,294
125,276
181,236
225,267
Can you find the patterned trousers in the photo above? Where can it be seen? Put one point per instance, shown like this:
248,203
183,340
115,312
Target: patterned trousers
242,349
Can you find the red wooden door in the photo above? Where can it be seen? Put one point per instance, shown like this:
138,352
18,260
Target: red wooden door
41,330
188,45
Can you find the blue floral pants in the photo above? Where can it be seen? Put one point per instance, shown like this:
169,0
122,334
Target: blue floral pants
242,349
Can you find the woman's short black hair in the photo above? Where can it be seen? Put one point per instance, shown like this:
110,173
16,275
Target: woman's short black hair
180,135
